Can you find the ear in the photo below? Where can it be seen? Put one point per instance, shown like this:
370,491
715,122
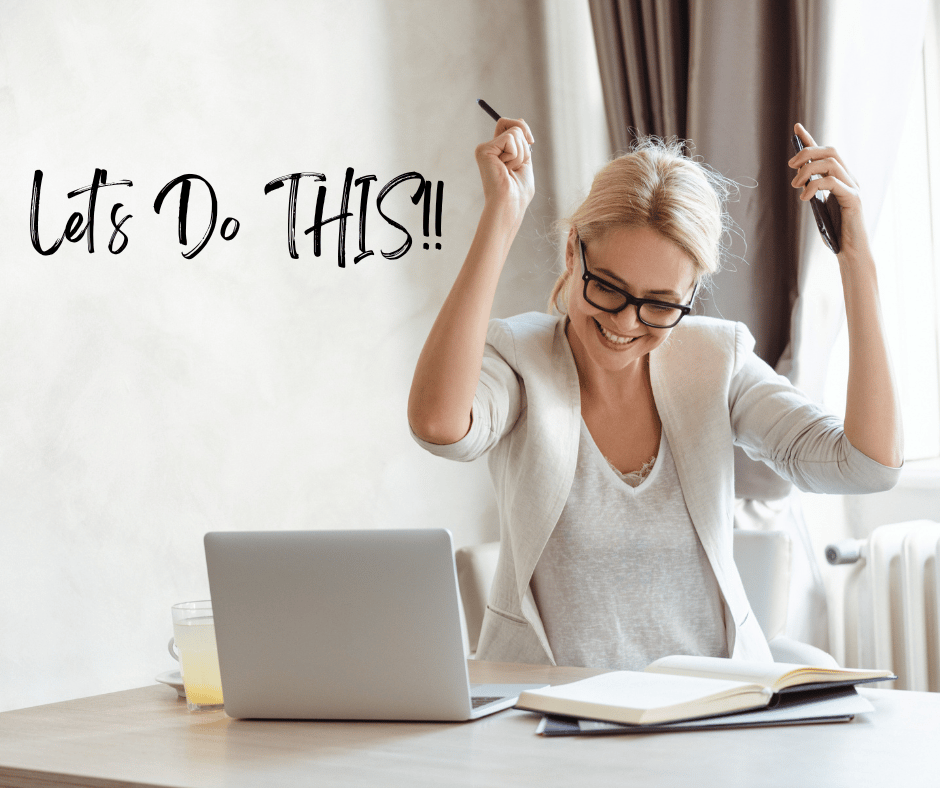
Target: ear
572,252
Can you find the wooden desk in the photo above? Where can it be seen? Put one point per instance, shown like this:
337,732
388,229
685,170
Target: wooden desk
147,737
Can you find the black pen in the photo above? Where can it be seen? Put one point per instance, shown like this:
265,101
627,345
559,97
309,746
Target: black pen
496,116
488,109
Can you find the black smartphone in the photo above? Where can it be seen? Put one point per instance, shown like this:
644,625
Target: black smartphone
828,213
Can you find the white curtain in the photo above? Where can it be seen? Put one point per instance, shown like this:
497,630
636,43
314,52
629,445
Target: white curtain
579,140
866,89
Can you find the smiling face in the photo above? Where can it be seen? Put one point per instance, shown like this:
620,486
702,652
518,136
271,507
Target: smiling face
640,261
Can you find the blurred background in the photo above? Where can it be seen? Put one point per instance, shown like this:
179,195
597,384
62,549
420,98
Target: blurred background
146,399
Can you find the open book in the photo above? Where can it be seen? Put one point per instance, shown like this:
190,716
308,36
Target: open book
685,687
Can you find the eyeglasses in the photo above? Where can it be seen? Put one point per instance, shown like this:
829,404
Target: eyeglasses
603,295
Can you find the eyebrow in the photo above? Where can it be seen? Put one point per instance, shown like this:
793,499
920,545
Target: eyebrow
625,286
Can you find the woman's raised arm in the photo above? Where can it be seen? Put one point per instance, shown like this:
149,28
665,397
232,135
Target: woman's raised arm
872,410
445,380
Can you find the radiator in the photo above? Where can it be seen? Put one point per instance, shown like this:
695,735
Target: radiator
891,602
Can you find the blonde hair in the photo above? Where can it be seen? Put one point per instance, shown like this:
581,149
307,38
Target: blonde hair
657,185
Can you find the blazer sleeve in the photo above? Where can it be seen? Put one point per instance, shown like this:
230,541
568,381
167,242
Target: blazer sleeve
775,422
497,404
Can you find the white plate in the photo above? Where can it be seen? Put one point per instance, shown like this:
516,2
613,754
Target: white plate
173,678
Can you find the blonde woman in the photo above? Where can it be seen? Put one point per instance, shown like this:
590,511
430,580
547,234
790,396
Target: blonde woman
610,423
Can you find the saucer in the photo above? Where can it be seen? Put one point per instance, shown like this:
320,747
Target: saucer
174,679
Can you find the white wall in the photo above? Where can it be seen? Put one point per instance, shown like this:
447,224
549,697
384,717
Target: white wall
146,399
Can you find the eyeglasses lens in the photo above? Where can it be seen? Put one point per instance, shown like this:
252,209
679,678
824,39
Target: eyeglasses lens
610,300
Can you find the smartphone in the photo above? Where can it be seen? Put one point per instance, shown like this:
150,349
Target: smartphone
828,213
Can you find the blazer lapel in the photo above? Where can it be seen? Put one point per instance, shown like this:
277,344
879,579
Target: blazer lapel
690,390
557,423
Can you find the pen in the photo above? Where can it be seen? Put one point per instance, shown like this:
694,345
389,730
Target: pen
488,109
494,114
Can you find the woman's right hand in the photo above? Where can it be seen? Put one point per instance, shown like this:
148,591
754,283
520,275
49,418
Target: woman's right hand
505,164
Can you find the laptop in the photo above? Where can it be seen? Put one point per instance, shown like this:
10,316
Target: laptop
343,625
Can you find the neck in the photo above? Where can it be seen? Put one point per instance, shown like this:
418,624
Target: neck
600,386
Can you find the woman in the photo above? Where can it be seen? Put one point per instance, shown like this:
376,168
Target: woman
610,427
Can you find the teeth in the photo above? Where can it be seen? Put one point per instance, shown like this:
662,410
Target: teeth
614,337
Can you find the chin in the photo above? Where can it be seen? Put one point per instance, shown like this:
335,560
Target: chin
618,359
610,355
603,353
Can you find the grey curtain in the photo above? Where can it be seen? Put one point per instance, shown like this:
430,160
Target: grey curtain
643,53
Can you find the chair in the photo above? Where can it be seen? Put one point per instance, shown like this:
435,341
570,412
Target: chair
763,560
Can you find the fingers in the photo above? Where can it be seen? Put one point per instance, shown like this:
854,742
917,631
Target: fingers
504,124
833,177
516,151
829,184
516,141
822,167
814,155
511,148
800,130
821,161
505,163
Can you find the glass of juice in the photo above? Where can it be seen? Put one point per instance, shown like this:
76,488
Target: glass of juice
194,635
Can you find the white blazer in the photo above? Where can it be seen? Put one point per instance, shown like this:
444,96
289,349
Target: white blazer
711,392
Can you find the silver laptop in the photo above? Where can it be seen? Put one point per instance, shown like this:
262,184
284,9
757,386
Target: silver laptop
354,625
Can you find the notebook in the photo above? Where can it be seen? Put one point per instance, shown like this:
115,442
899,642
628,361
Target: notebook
343,625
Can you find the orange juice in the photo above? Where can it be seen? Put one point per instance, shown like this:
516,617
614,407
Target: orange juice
199,661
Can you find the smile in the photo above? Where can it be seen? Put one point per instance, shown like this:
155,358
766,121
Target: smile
615,338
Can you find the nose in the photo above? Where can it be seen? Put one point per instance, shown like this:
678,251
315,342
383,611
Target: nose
627,318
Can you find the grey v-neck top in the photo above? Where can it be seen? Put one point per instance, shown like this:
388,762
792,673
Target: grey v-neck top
624,579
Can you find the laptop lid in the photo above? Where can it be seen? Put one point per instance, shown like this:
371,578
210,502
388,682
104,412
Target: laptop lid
339,624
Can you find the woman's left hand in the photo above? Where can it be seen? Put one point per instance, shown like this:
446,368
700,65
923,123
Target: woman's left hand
836,179
872,409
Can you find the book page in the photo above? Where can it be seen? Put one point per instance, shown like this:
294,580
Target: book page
764,673
626,695
775,675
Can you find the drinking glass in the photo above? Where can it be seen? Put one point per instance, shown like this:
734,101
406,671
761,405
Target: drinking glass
194,636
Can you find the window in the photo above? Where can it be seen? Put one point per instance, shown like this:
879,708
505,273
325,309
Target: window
907,251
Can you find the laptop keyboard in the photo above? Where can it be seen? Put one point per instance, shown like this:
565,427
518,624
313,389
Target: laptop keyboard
482,700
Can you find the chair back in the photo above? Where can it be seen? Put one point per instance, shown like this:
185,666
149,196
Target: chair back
763,561
476,568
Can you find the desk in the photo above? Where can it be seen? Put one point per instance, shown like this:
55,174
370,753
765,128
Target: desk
147,737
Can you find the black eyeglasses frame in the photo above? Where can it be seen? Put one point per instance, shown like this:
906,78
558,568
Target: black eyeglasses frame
629,299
